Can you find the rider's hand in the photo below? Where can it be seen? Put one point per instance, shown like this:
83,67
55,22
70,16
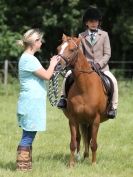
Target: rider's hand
98,67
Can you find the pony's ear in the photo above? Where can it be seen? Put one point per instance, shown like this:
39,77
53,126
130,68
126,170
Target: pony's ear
64,37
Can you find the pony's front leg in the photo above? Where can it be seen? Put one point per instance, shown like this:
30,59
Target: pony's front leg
93,142
73,143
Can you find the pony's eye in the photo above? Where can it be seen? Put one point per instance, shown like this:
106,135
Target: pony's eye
72,50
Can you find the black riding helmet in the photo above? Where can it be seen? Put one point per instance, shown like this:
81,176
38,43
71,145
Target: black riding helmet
92,13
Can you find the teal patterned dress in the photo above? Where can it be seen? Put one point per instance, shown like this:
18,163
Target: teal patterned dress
31,109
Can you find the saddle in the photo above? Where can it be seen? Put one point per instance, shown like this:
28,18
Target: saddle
107,82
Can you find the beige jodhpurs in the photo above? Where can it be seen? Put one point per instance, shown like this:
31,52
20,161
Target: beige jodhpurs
115,94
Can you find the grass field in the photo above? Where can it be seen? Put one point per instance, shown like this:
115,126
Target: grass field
51,148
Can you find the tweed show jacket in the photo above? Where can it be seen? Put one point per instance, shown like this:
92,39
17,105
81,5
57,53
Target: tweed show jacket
98,52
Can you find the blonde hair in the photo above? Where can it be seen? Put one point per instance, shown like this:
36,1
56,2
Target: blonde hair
30,37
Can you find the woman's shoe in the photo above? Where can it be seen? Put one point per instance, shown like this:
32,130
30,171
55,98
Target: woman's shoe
24,158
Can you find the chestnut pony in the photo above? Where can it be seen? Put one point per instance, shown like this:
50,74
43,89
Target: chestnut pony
86,102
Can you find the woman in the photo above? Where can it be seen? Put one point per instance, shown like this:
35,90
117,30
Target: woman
95,45
31,111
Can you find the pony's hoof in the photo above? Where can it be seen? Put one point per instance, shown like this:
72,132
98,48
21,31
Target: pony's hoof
71,164
78,157
94,163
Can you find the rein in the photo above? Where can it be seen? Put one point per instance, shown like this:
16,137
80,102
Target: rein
86,71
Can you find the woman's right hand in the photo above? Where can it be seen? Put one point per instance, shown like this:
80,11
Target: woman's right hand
54,60
46,74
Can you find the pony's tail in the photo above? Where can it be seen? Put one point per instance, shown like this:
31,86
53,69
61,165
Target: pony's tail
86,135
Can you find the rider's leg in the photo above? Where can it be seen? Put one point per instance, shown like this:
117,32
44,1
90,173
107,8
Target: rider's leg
62,102
112,111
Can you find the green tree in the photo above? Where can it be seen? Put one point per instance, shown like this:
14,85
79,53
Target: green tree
64,16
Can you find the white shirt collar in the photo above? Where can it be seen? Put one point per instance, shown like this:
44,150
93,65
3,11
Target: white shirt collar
89,32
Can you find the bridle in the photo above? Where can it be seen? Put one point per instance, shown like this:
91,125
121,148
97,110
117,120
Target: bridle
70,60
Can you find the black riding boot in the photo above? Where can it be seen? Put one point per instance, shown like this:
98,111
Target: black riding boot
112,113
62,102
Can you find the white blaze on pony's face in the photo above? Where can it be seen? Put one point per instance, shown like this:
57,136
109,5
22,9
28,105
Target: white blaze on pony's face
63,46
